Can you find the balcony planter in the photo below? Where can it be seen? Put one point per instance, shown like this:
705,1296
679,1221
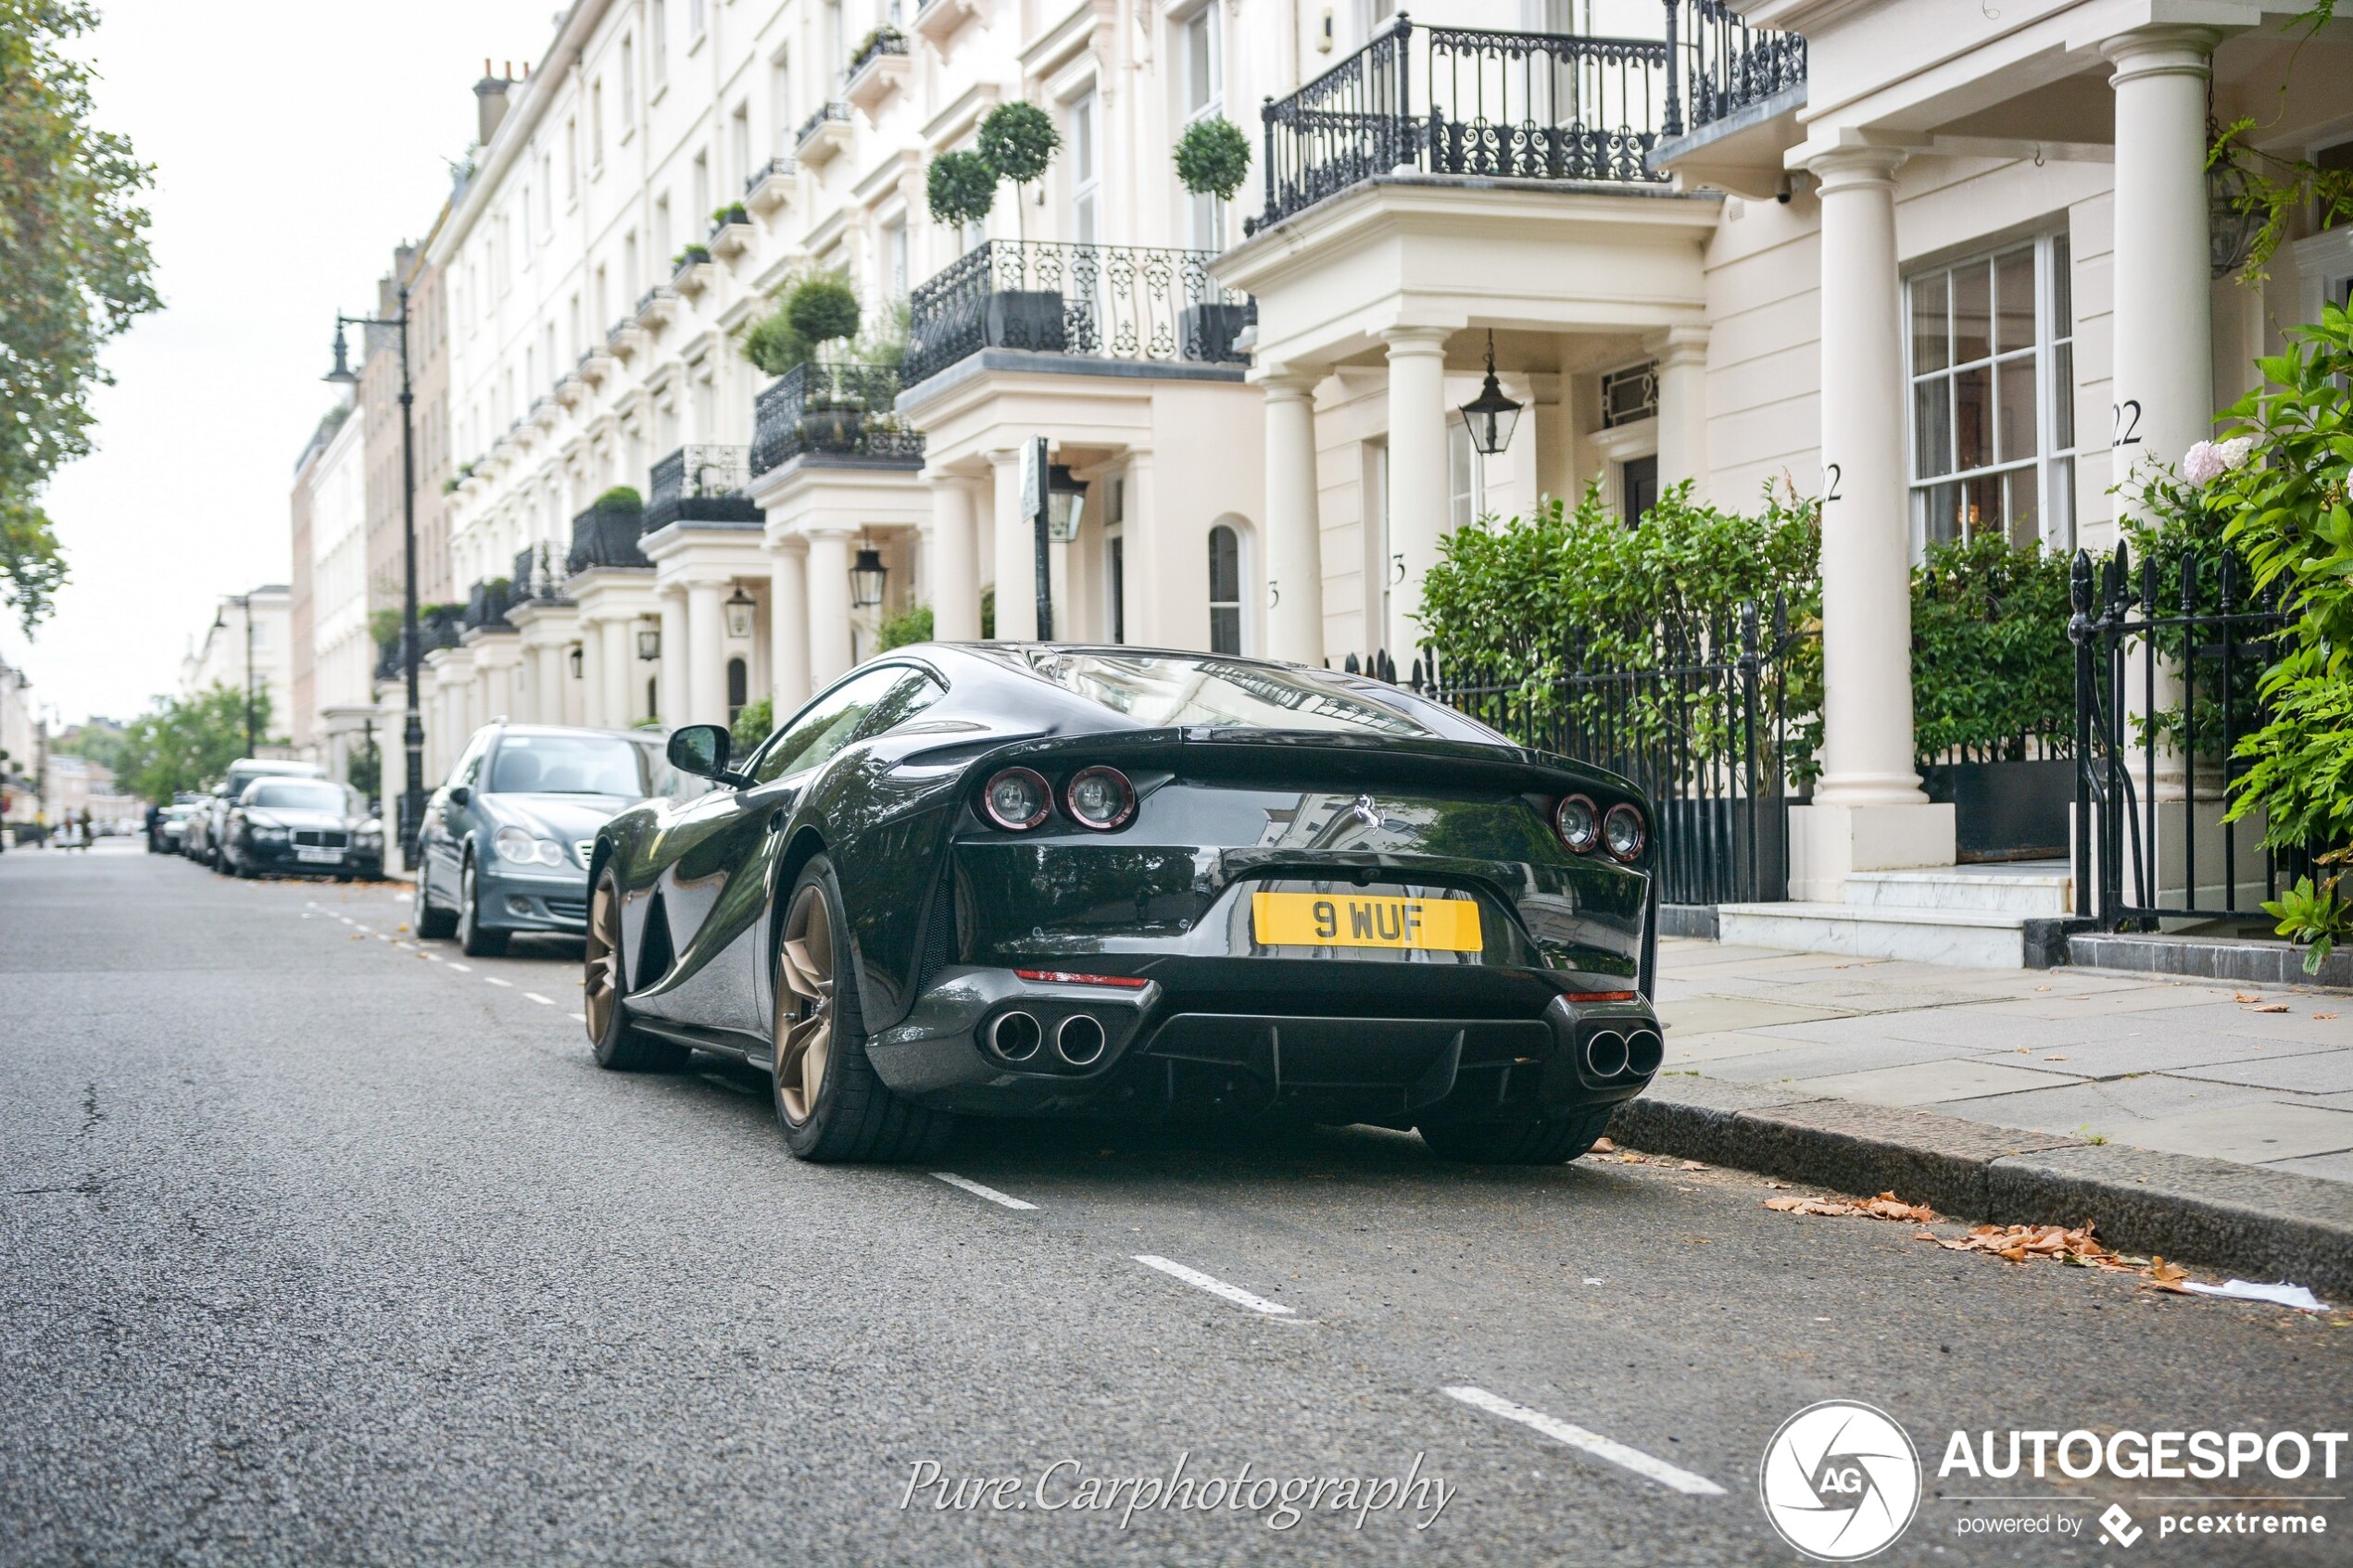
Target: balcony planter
733,239
2005,810
1210,329
1027,318
695,277
834,427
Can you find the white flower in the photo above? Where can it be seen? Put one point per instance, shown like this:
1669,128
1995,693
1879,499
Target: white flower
2203,464
2234,451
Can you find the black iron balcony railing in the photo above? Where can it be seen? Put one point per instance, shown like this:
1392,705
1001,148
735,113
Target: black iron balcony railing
700,484
776,168
538,577
882,41
606,534
816,122
1557,108
486,606
1717,64
1097,302
838,410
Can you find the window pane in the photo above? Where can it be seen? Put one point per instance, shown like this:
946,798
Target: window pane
1980,505
2021,511
1972,434
1928,324
1972,311
1224,566
1940,513
2014,300
1226,631
1932,427
2015,388
2063,397
2061,534
2062,288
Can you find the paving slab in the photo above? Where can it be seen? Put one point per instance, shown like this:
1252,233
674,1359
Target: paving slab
1709,1014
1813,1061
2163,1053
2333,1167
2156,998
2109,1108
2250,1134
1700,1049
1931,1083
2325,1071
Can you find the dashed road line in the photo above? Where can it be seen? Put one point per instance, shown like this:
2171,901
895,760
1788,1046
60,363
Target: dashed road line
580,1017
1200,1281
536,997
968,1185
461,968
496,981
1594,1443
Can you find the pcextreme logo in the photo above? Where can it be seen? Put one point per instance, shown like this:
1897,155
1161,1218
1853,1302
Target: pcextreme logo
1841,1481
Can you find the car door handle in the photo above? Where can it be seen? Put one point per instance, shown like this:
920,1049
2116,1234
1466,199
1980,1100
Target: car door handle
776,820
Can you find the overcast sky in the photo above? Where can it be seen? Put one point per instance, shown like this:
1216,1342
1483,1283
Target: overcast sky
295,142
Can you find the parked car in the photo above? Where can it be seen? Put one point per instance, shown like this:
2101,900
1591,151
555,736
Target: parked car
172,821
288,826
503,846
1035,879
201,839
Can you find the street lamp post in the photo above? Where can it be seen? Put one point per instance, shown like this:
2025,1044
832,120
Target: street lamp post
412,729
244,602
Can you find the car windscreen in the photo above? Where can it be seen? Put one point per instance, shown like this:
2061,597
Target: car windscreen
527,764
1161,691
295,794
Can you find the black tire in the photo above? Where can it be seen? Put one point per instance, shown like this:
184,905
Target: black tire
853,1117
1536,1140
476,942
429,923
619,1047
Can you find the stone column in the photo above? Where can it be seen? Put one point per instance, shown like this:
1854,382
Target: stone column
1294,522
623,669
788,625
1016,554
2164,354
677,658
1416,475
1868,811
828,601
954,563
706,672
1682,407
592,674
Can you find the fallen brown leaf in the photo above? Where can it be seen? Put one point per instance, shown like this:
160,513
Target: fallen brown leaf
1603,1146
1690,1165
2324,1015
2271,1007
1886,1206
2244,996
2075,1247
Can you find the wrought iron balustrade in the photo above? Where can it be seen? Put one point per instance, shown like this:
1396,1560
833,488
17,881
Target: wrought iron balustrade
701,484
837,411
1718,65
884,41
538,576
486,605
775,169
827,113
606,534
1087,301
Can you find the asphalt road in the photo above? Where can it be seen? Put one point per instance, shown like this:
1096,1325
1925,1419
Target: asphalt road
315,1246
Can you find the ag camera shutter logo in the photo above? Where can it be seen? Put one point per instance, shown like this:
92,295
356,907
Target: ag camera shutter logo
1841,1481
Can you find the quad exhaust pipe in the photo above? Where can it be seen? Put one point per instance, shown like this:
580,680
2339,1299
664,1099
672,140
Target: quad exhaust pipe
1079,1041
1606,1053
1638,1052
1015,1035
1644,1051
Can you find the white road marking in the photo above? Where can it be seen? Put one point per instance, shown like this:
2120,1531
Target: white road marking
461,968
1594,1443
356,926
1199,1280
536,997
953,1180
496,981
434,957
580,1017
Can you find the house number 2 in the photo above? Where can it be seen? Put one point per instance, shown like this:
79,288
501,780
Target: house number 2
2125,427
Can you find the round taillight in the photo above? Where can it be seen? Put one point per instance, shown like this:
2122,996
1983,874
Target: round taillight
1017,799
1100,798
1622,832
1579,824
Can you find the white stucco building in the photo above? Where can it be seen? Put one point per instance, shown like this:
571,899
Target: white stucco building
219,656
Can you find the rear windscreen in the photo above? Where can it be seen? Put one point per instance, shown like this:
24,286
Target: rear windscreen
1159,692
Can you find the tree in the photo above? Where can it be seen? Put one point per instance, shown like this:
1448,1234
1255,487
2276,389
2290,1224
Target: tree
74,249
1213,158
181,744
961,188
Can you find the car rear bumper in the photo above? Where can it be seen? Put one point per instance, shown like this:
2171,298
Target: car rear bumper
1389,1048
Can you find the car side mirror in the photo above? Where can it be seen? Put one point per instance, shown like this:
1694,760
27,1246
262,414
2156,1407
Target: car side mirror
703,750
460,795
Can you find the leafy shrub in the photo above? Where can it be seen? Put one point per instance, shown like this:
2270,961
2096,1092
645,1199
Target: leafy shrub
753,722
908,626
692,256
823,309
1991,661
734,212
1017,141
620,498
961,188
1213,158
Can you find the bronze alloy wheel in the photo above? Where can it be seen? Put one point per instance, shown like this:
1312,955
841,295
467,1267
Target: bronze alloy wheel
804,1004
600,984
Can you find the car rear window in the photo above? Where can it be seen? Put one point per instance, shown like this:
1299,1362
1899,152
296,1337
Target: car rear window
296,794
1158,691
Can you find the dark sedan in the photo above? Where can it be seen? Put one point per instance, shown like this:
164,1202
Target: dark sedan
1002,879
300,827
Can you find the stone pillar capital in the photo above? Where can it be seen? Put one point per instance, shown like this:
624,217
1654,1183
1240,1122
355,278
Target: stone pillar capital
1404,340
2160,50
1290,381
1842,169
1679,346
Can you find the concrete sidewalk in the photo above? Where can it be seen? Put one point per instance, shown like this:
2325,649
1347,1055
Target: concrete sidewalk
2179,1066
2175,1116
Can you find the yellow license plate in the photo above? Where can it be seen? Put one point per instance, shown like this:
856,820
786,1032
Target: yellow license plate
1336,919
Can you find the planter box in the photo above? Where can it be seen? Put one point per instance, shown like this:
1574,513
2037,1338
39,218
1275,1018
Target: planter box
1210,330
831,429
2005,810
1027,318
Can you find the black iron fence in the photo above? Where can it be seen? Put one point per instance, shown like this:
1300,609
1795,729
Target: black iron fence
826,114
1707,731
701,483
486,605
1103,302
882,41
538,577
837,411
606,534
1717,64
2169,661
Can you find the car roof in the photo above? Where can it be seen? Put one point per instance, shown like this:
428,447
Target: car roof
643,737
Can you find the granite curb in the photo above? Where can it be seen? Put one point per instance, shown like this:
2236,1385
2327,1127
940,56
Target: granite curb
2240,1219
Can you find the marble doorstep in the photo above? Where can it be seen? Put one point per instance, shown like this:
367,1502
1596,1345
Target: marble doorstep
1967,938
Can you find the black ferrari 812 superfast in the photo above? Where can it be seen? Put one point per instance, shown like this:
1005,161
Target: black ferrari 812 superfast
1006,879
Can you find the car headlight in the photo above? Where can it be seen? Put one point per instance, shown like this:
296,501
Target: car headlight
269,835
521,847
